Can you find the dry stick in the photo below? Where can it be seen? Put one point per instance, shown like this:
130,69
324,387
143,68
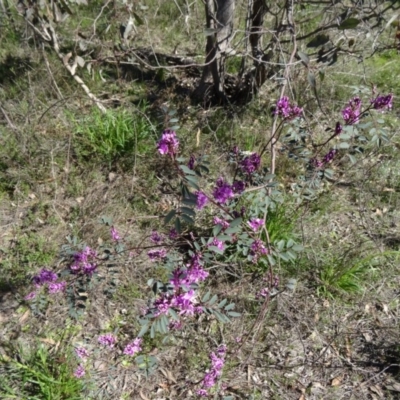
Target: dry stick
50,73
11,125
64,60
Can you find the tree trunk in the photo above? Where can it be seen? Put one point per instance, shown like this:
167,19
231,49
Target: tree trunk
219,19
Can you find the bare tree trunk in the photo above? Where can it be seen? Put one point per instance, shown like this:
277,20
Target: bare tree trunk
219,18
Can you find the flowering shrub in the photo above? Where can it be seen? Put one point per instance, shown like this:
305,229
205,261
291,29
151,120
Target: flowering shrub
233,211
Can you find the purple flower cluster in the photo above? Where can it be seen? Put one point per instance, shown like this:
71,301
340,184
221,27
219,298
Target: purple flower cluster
258,249
82,353
156,237
250,163
351,113
115,235
47,278
191,162
168,144
382,102
108,340
85,261
338,129
134,347
182,299
328,157
255,224
223,191
80,371
217,364
238,187
157,254
286,110
202,200
217,243
219,221
56,287
44,276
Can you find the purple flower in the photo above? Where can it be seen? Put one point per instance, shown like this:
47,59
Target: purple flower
157,254
351,113
185,302
168,144
223,192
217,364
202,393
250,164
217,243
222,222
258,249
45,276
263,293
202,200
382,102
84,261
175,325
191,162
82,353
286,110
173,234
329,156
57,287
30,296
79,372
134,347
156,237
255,224
107,340
238,186
114,234
338,129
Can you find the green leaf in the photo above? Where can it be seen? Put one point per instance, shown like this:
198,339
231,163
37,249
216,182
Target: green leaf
144,329
230,231
187,219
353,160
304,58
206,297
229,307
178,225
224,238
215,249
192,180
213,300
169,216
344,145
188,211
222,303
235,222
217,229
349,23
311,80
234,314
187,170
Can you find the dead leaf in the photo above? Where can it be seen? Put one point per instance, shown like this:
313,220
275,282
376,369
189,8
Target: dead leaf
24,316
377,390
337,381
143,396
198,138
48,341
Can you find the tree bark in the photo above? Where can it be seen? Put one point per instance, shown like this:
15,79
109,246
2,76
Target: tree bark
219,20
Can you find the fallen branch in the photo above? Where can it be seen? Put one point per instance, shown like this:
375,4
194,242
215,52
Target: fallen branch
71,69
